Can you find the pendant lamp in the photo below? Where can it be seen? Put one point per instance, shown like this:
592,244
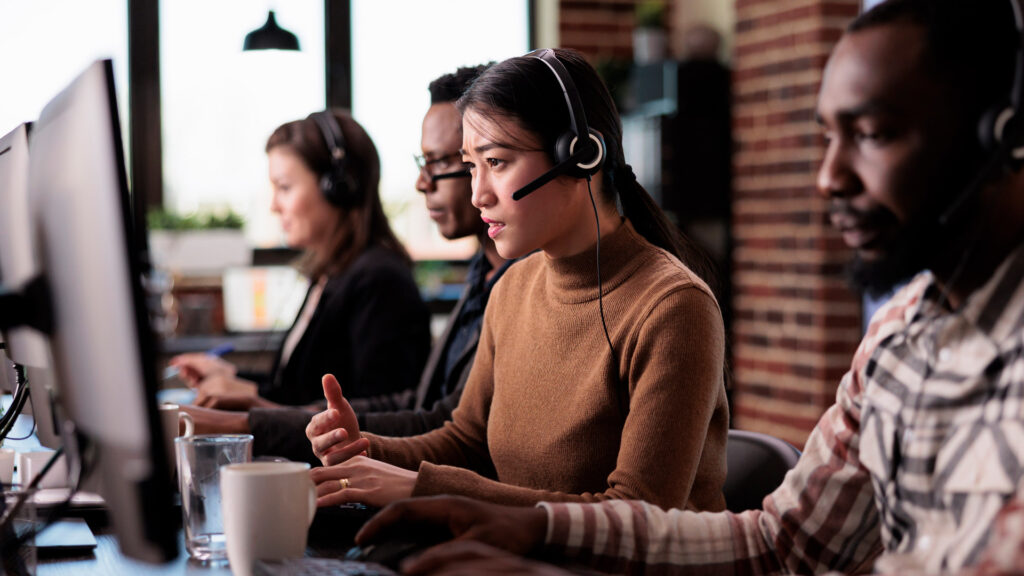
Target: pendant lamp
270,36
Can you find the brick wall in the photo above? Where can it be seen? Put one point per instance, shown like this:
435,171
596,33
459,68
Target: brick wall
796,324
600,29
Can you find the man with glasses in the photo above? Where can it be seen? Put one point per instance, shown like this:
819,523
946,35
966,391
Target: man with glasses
445,184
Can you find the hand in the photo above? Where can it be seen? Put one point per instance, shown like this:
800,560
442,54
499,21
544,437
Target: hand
334,433
237,402
220,385
197,366
217,421
371,482
468,557
519,530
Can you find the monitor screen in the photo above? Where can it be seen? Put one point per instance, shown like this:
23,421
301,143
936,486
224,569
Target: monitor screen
18,262
102,342
5,373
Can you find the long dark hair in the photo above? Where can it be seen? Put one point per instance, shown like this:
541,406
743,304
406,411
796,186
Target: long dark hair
523,89
360,226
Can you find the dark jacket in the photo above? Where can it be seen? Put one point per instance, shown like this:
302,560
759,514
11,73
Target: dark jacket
281,432
370,329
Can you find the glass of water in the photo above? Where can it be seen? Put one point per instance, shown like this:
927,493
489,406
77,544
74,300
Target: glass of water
199,461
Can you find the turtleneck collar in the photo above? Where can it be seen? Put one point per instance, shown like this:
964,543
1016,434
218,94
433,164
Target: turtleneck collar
573,279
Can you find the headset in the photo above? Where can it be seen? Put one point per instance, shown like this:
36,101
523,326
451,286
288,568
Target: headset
337,185
580,158
1000,130
580,151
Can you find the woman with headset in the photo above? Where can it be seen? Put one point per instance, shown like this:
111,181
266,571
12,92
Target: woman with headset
363,317
600,368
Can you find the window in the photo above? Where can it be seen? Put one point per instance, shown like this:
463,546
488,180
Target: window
46,44
398,47
219,104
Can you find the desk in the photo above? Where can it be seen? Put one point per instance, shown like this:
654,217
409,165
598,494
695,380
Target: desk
253,352
328,537
107,560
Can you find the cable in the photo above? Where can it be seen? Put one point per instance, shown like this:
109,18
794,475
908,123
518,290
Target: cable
12,542
600,290
32,430
20,395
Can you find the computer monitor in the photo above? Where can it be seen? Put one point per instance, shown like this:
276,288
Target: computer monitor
5,369
102,343
19,264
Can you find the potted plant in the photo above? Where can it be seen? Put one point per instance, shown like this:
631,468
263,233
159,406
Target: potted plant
197,244
650,40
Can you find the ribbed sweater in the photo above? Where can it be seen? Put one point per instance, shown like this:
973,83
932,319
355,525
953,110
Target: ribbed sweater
544,415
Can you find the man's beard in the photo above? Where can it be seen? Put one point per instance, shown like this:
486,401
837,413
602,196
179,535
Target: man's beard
911,250
879,276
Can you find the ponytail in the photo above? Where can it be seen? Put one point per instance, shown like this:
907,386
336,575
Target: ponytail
650,222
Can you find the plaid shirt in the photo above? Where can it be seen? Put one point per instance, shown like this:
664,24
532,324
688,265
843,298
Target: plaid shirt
923,447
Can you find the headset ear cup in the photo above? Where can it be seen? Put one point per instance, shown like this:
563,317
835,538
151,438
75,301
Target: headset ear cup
562,147
992,124
565,146
594,166
328,189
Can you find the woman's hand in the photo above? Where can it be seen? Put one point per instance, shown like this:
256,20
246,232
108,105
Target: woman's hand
364,480
237,402
334,433
198,366
217,421
519,530
222,385
469,557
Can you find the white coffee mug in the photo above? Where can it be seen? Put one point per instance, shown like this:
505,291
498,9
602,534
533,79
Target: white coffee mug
31,463
267,508
6,465
172,416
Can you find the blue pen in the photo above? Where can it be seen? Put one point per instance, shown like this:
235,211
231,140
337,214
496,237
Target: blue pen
227,348
221,350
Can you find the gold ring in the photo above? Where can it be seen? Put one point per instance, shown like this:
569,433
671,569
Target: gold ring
344,483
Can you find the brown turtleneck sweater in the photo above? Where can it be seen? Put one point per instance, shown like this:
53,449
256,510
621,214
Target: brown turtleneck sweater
541,417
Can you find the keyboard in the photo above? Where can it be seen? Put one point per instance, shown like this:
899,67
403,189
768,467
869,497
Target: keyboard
319,567
335,524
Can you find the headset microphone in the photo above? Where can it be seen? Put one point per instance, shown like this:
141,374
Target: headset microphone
557,170
579,151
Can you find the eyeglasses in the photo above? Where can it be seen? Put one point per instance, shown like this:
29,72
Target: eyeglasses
447,166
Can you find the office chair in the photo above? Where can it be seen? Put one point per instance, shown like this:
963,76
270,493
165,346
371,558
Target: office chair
757,463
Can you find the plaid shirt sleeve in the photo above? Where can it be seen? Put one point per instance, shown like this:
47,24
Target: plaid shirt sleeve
1005,552
823,517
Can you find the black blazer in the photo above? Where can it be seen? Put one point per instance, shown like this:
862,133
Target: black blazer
281,431
370,329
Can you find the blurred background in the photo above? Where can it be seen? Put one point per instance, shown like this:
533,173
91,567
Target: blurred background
717,99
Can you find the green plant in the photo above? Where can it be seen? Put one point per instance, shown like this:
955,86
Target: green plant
162,219
615,74
650,14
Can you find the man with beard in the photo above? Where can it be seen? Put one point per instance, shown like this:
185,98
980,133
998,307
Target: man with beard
925,443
